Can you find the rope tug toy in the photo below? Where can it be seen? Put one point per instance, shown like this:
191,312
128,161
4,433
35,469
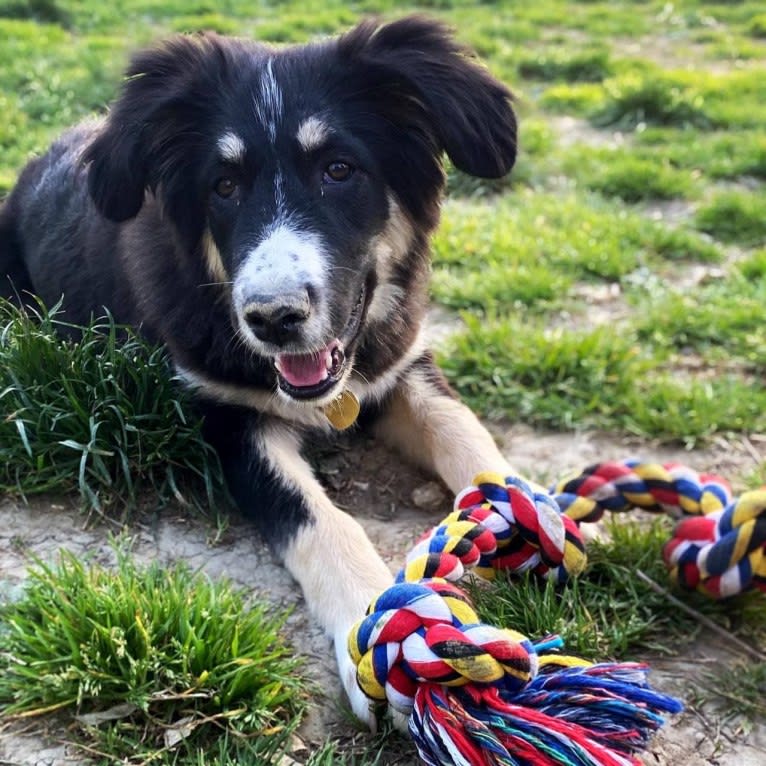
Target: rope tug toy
479,695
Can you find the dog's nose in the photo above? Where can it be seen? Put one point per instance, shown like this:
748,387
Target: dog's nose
277,319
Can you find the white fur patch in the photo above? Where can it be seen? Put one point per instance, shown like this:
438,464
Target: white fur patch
268,102
288,258
231,148
287,261
312,133
268,402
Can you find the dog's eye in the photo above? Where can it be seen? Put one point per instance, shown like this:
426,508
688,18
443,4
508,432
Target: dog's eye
225,187
337,172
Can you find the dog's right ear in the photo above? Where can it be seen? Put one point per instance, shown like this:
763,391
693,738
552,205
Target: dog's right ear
157,102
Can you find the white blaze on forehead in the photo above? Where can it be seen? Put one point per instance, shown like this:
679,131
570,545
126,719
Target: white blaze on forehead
279,191
268,102
231,147
312,133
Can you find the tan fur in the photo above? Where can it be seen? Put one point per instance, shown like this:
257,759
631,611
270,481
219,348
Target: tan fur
331,558
393,244
440,433
213,259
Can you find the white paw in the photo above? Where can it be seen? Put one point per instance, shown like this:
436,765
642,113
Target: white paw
399,720
362,706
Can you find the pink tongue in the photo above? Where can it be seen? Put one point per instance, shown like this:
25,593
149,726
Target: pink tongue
301,370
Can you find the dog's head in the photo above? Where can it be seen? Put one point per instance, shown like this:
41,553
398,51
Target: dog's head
303,176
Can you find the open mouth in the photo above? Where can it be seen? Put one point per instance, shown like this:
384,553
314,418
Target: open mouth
310,376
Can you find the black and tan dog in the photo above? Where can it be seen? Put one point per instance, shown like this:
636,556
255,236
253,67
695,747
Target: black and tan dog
266,214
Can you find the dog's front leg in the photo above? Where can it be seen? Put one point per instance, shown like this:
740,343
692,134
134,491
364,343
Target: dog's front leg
424,420
324,549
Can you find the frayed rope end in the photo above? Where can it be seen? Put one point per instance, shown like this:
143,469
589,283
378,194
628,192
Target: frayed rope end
592,715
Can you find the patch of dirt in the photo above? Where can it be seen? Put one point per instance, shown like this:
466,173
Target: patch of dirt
673,52
673,212
575,130
593,305
394,503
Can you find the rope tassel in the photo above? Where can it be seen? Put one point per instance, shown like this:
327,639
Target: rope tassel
479,695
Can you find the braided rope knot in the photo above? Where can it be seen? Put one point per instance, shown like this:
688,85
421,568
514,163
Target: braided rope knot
478,694
499,524
428,632
724,552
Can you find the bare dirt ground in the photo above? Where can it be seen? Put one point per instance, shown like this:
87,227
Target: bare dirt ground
384,495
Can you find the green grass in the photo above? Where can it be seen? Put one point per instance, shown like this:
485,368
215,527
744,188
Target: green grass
735,216
177,652
561,378
714,155
754,266
583,66
715,318
651,98
99,415
483,244
603,378
633,179
757,26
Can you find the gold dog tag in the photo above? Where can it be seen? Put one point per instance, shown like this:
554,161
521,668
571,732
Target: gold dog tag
343,410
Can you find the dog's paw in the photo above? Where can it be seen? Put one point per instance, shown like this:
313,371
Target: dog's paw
399,720
362,706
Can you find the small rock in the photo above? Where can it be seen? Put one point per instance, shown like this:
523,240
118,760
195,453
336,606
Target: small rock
429,496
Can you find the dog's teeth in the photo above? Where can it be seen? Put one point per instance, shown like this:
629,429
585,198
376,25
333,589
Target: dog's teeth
335,360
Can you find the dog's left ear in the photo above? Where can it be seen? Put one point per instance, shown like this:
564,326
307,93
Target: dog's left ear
470,111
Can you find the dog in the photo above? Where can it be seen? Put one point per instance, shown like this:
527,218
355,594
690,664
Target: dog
265,214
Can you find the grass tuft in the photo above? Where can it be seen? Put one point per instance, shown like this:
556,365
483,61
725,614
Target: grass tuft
512,368
38,10
604,378
605,613
99,414
150,660
633,179
756,27
753,268
734,216
650,98
582,66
